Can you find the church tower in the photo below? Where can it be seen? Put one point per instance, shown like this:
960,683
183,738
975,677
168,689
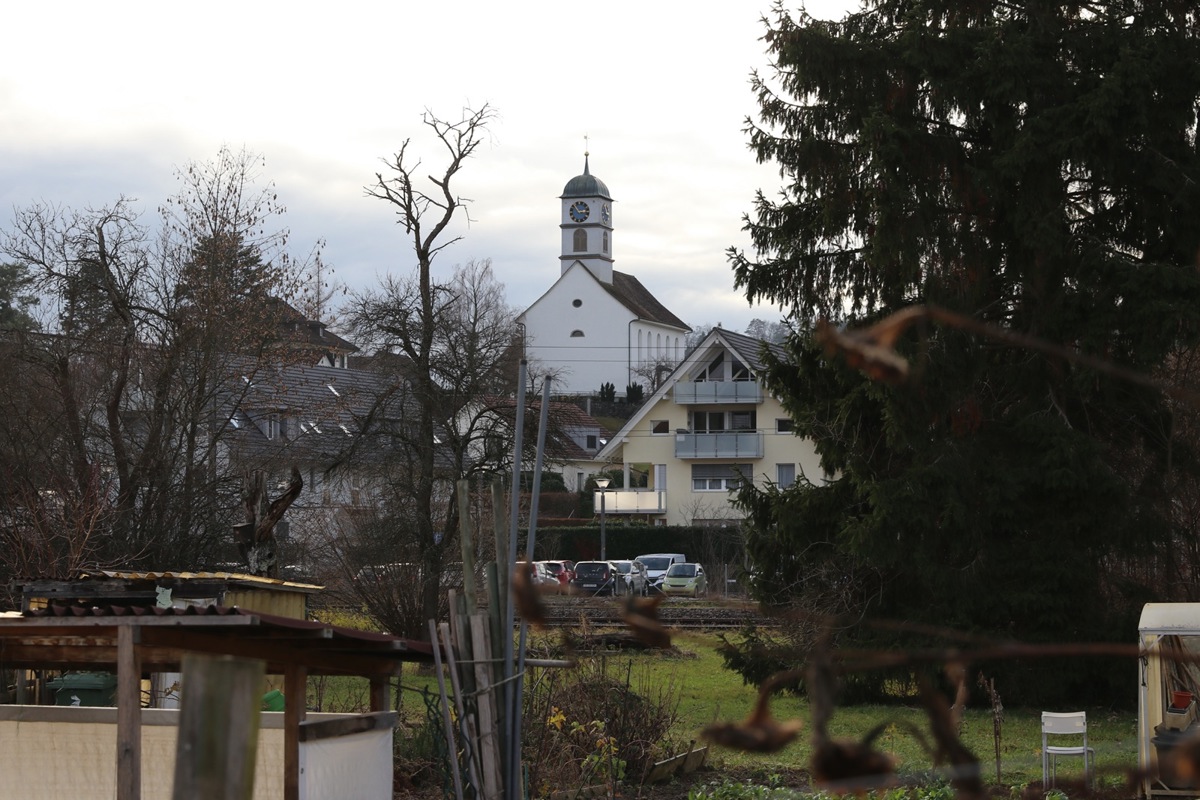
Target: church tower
587,224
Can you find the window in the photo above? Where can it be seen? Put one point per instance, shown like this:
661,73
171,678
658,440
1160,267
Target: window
606,241
708,421
718,477
580,241
742,420
577,334
273,426
785,475
591,441
784,425
660,426
577,302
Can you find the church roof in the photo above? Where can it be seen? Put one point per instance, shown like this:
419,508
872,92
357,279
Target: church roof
586,185
637,298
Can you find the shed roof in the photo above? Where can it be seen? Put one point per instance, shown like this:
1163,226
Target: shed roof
1171,618
79,636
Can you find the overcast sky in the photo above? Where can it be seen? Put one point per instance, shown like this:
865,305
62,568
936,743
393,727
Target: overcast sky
99,100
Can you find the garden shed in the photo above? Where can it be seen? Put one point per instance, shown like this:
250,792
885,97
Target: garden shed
132,743
1168,685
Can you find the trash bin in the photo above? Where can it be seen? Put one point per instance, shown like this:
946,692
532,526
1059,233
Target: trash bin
1165,741
84,689
273,701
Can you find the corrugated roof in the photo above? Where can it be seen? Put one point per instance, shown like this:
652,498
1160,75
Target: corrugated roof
236,577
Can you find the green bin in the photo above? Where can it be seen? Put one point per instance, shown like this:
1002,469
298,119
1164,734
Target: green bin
273,701
84,689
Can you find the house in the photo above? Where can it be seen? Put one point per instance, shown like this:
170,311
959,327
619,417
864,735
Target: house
709,426
596,325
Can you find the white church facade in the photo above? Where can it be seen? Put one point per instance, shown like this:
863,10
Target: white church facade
596,325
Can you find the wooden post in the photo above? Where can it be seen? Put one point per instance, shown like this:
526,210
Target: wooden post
218,727
381,694
295,691
129,714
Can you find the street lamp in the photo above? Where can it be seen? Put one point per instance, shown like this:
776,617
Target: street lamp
602,484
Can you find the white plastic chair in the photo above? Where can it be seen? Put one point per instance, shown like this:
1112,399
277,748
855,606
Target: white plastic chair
1069,724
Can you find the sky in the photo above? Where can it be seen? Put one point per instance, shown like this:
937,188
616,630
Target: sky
104,100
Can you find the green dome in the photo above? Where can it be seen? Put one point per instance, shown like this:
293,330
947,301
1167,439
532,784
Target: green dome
586,185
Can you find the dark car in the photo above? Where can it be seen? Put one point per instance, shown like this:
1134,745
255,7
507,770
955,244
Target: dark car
598,577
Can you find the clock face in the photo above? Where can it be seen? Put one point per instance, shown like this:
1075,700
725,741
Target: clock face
604,214
580,211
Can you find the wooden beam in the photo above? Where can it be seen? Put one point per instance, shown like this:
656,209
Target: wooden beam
295,699
332,728
129,715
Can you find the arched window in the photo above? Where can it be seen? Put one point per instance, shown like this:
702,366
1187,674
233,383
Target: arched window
577,334
658,345
580,241
606,241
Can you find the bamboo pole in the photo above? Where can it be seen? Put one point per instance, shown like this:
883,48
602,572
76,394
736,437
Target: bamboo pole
447,726
490,737
466,722
467,542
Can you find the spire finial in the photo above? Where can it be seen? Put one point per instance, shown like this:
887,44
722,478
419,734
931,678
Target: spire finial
585,155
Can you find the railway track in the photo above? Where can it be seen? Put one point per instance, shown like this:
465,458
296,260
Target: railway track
677,613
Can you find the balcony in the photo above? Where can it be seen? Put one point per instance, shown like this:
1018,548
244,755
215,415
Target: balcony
727,444
632,501
692,393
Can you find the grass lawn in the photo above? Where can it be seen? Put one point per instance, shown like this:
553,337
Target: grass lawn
708,693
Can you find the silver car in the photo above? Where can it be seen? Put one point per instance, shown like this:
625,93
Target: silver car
634,575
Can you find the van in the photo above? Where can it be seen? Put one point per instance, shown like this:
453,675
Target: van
657,565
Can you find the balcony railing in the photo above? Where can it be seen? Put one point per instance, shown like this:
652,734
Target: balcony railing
632,501
728,444
692,393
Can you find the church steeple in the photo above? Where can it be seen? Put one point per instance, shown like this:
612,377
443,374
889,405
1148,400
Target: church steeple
587,224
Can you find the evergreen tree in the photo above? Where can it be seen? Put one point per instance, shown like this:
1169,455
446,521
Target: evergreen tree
1032,165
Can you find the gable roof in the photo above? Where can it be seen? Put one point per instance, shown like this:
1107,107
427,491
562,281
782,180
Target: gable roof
630,292
326,409
746,348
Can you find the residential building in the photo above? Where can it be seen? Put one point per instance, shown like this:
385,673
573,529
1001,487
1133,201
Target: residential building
596,325
708,427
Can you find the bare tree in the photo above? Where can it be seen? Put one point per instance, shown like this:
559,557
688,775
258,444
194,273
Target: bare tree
135,364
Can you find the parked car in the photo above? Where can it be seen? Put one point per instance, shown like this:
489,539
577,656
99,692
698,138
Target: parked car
564,571
634,575
538,573
656,566
598,577
685,579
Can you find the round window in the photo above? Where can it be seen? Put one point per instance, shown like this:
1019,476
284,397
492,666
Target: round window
577,303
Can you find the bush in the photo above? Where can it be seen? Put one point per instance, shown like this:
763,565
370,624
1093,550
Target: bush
595,724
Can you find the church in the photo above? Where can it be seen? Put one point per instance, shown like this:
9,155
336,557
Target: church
596,325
